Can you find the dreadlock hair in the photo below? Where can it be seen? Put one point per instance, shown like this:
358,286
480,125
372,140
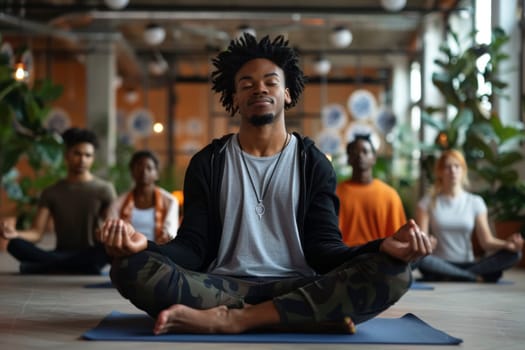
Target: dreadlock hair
74,136
246,48
362,137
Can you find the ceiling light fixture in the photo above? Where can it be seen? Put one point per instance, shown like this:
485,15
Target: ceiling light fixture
322,66
23,69
393,5
131,95
154,34
116,4
341,37
158,66
20,73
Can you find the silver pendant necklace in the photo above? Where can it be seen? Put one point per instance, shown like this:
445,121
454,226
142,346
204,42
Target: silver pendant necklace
259,207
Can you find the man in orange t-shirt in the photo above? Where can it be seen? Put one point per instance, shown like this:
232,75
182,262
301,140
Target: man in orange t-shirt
369,208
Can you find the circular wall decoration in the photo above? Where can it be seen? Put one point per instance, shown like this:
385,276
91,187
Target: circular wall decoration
57,120
329,141
140,122
385,121
362,104
194,126
333,116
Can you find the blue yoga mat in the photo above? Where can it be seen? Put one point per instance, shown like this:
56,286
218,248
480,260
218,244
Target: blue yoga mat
421,286
408,329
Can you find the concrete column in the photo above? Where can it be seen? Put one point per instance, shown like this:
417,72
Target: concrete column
505,15
400,88
432,38
101,100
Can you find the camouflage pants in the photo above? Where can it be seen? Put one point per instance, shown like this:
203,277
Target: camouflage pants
360,288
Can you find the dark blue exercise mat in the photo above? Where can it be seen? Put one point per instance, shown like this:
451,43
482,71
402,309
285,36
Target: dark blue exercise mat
408,329
421,286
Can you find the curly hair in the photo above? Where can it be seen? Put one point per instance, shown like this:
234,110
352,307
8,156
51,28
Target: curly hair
360,137
143,154
74,136
246,48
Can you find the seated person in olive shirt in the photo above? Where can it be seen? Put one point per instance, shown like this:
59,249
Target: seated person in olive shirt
78,205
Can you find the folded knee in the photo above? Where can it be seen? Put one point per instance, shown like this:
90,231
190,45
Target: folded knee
394,275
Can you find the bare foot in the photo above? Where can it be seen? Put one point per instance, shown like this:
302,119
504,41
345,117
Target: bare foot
181,318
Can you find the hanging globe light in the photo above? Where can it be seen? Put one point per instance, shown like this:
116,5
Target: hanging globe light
154,34
116,4
393,5
341,37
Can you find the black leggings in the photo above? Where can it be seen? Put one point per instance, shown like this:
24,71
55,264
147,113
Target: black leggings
488,269
36,260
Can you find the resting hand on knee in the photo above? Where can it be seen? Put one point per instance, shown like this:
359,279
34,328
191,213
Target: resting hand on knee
409,243
514,242
7,231
120,238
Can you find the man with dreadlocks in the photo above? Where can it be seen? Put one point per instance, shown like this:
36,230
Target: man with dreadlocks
259,244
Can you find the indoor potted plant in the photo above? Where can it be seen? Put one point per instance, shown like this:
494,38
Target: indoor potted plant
23,110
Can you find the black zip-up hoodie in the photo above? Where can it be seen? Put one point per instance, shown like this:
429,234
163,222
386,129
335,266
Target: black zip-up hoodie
197,242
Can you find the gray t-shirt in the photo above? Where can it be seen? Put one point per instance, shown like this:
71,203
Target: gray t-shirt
266,246
77,209
452,221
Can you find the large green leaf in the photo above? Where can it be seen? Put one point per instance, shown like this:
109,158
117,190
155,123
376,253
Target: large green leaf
506,159
479,146
443,81
463,119
6,74
47,151
46,91
437,123
11,153
6,123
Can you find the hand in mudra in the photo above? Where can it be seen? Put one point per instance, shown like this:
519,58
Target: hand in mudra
7,231
409,243
515,242
120,238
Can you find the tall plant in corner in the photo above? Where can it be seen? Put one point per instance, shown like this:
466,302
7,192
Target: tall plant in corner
23,110
491,148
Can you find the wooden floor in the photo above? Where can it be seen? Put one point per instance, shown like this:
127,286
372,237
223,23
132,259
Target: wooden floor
52,312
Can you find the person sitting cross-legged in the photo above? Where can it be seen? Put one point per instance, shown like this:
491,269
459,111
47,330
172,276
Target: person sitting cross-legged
452,214
151,209
259,244
370,209
77,206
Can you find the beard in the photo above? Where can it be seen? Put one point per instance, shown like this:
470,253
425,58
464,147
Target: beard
260,120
